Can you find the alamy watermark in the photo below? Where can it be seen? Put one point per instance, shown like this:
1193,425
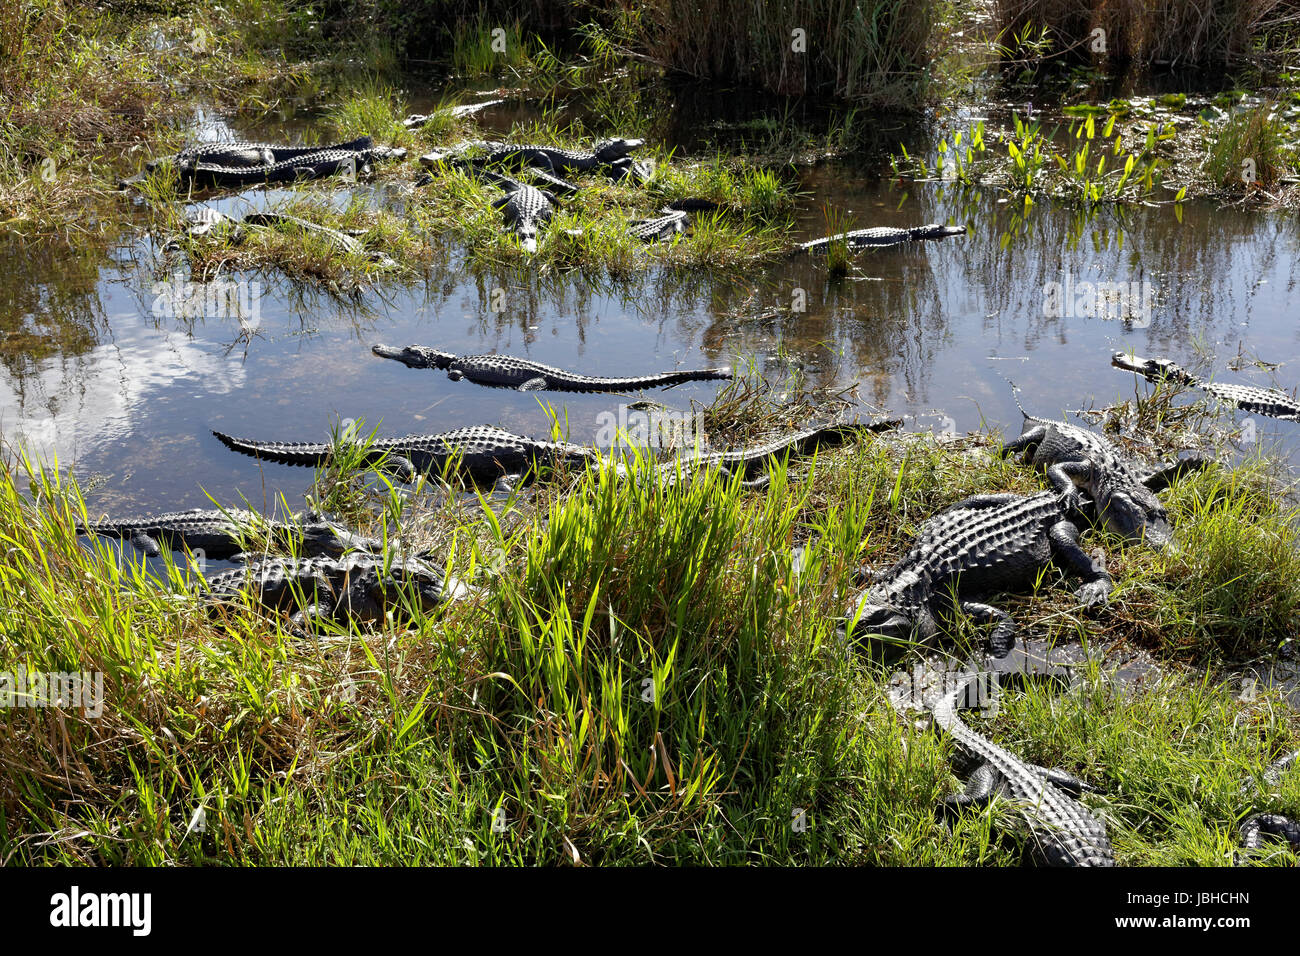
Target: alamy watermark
1130,301
653,428
66,689
178,298
924,685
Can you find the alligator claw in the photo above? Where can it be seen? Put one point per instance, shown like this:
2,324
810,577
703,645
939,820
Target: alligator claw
1094,594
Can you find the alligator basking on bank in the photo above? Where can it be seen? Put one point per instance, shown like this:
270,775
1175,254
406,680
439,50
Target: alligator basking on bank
481,453
751,462
552,162
557,161
206,220
356,588
1077,460
248,164
985,544
674,221
506,371
525,209
1065,833
881,236
222,534
1271,402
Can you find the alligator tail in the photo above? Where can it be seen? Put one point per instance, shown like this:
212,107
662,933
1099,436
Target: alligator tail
1015,395
284,453
667,379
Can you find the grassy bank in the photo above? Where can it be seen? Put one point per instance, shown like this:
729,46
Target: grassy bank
84,88
647,678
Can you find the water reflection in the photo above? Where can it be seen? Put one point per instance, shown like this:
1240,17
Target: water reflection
90,373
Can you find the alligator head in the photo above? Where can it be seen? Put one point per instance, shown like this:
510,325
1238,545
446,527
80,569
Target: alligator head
1129,510
890,611
415,356
936,231
611,150
1153,369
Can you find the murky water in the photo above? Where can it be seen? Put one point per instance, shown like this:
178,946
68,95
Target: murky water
96,373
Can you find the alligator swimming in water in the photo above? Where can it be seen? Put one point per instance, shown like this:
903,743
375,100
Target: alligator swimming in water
982,545
354,588
1077,460
1064,831
222,534
416,120
248,164
506,371
881,236
1251,398
673,222
482,453
750,462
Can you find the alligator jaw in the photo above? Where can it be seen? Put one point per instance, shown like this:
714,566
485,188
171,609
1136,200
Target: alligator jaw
415,356
1152,369
1130,364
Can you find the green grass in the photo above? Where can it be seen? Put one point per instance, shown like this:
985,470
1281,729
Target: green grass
81,87
589,230
645,679
1249,152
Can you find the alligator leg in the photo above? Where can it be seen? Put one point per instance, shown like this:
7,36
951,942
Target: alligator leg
303,622
1166,476
146,543
1066,551
1062,476
1064,781
536,384
1003,638
399,466
1026,442
981,787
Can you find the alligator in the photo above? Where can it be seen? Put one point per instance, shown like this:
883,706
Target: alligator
881,236
1065,833
247,164
555,160
1256,828
416,120
454,159
750,463
673,222
637,172
482,453
506,371
221,533
611,155
205,220
1077,460
354,588
1271,402
981,545
524,208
